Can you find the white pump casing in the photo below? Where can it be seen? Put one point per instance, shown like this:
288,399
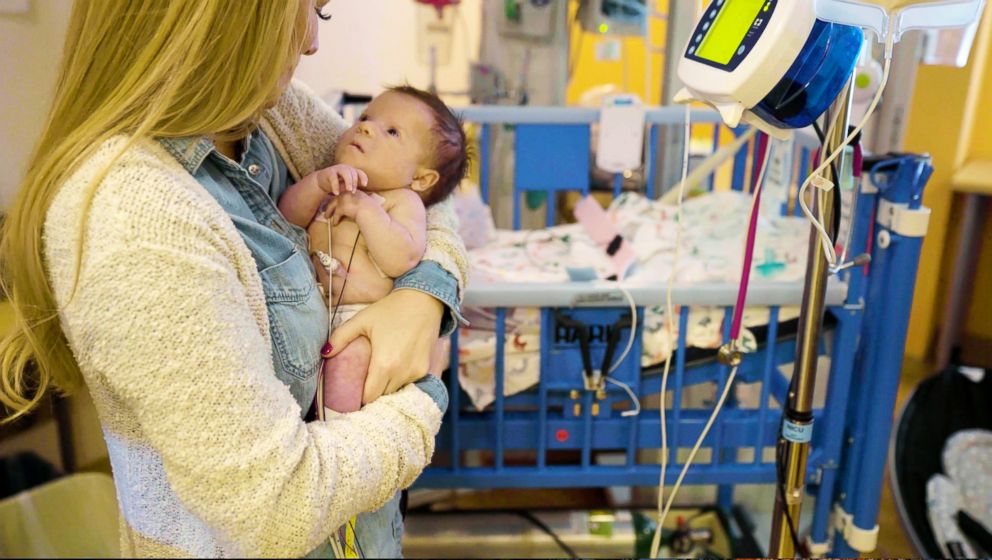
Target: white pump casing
733,93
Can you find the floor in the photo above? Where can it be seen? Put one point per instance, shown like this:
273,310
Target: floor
892,540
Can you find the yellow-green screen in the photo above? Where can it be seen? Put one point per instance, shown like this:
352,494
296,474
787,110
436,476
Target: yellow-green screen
729,29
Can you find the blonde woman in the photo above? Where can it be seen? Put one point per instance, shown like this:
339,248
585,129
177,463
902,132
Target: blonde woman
145,256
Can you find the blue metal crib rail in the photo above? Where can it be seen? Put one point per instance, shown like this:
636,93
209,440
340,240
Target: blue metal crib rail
565,433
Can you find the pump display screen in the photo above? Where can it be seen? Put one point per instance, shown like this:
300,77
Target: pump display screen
727,32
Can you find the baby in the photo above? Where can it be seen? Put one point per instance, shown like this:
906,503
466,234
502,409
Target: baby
366,216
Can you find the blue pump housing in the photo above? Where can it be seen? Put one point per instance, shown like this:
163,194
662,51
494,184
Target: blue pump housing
815,79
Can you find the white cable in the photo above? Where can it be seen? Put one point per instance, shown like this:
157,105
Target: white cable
730,378
623,356
630,393
669,315
633,329
699,443
663,513
828,248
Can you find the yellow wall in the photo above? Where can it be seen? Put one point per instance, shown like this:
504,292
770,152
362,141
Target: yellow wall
950,119
979,321
590,72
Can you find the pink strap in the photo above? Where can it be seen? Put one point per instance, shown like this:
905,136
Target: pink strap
605,234
752,230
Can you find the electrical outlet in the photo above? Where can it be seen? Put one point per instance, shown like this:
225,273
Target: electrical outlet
14,6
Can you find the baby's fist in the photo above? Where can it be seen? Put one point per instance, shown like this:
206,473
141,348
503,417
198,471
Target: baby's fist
340,178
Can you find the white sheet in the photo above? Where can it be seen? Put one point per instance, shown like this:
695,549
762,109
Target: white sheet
711,251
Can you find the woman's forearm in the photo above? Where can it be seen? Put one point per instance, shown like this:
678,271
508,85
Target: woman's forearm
248,466
432,279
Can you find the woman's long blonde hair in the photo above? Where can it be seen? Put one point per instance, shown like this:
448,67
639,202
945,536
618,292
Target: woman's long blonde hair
144,68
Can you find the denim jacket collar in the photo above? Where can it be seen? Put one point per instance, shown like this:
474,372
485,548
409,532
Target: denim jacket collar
189,151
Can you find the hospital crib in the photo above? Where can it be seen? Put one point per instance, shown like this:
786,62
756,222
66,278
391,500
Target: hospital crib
572,434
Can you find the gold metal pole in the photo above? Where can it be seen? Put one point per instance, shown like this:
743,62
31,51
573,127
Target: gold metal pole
799,409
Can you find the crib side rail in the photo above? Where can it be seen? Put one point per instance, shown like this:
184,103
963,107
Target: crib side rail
552,152
607,294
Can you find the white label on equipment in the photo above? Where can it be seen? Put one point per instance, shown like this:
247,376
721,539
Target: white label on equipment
621,134
608,50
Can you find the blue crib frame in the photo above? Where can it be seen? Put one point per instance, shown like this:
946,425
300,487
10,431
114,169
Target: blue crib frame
551,149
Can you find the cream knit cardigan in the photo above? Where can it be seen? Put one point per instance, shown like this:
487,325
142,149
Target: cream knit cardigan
169,326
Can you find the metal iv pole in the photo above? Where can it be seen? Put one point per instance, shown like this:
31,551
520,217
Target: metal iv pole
794,439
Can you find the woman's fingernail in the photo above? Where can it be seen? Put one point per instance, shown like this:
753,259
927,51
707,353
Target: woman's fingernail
325,352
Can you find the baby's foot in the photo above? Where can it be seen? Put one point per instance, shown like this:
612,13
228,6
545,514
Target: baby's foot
344,376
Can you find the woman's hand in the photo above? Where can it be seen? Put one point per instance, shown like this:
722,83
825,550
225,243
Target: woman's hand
402,328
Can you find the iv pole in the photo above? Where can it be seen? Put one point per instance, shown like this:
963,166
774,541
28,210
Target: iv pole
798,414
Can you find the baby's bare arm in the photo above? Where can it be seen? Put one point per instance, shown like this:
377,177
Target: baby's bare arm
396,232
300,202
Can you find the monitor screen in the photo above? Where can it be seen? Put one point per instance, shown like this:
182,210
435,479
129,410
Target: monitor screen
727,32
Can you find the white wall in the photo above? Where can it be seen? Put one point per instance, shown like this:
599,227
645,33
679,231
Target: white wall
368,44
30,50
372,43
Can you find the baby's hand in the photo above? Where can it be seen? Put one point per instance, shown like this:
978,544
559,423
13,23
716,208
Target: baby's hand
340,178
347,205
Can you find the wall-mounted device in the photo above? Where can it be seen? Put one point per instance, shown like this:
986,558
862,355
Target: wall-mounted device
613,17
528,19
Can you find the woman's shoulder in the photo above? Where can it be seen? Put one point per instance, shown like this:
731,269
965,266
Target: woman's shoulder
297,102
303,129
143,194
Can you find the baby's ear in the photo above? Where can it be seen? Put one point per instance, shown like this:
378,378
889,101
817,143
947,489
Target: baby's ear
424,179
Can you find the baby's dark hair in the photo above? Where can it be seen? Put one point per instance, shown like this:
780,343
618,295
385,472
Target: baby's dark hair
451,150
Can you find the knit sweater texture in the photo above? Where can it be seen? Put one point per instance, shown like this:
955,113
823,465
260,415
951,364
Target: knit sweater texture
169,326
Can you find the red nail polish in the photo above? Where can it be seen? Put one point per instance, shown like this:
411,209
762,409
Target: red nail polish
326,350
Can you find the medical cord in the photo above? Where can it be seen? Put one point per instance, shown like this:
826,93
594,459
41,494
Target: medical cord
630,344
833,168
738,313
735,333
347,270
548,531
749,241
339,552
828,248
669,330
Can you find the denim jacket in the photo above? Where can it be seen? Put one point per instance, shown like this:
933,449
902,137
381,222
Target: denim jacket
297,315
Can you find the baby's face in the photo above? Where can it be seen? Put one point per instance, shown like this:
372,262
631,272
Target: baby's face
391,142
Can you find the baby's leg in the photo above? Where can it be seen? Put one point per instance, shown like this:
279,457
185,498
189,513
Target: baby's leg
344,376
